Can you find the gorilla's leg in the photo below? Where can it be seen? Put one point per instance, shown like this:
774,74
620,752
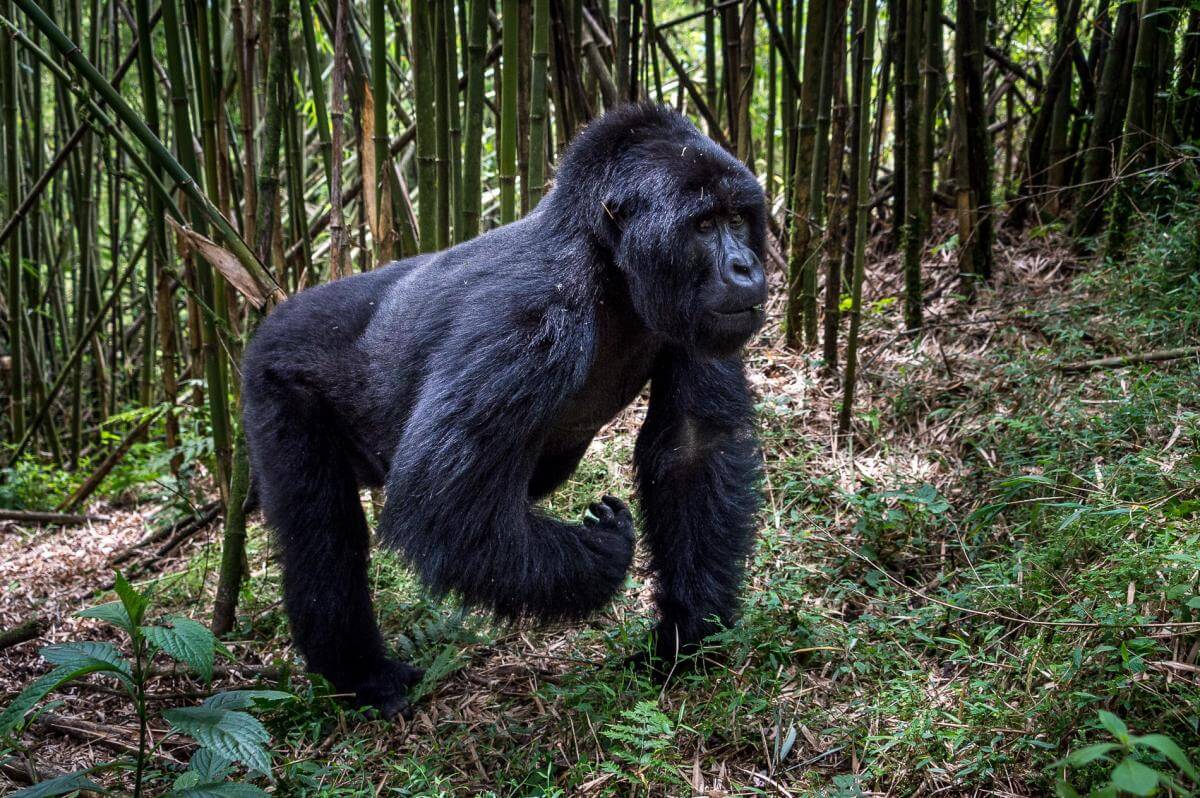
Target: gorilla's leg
310,497
697,468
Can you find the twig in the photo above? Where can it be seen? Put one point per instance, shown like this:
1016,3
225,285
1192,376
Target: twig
1117,361
97,733
59,519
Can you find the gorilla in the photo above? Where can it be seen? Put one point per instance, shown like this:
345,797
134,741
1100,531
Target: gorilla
469,383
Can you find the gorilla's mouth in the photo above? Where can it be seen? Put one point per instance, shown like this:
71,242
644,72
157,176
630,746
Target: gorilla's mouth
733,314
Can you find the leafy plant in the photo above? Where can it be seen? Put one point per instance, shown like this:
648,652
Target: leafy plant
641,739
1129,773
226,733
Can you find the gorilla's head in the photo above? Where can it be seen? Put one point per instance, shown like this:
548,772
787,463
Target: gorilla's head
682,221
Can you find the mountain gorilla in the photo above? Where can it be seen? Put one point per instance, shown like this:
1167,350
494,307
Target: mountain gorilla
470,383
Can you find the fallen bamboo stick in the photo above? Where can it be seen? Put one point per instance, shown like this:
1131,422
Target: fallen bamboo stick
59,519
1157,356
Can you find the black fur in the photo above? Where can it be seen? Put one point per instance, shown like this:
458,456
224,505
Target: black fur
470,383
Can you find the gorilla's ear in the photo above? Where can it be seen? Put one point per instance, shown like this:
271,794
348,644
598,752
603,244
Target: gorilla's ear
610,225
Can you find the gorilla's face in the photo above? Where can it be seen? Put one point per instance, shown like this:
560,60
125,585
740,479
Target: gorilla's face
691,247
733,286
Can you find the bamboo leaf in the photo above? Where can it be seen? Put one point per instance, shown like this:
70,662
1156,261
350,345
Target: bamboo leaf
222,260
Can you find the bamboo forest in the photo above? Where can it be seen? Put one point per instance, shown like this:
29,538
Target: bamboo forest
390,405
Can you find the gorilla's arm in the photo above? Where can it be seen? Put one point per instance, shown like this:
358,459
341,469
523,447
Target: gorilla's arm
697,468
457,490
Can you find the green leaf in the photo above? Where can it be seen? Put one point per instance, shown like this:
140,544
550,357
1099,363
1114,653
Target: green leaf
1064,790
231,734
244,699
209,766
220,789
1132,776
1168,748
60,785
84,653
14,714
1116,727
185,641
113,612
1089,754
135,603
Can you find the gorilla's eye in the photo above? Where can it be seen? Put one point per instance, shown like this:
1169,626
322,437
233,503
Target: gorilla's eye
705,225
736,219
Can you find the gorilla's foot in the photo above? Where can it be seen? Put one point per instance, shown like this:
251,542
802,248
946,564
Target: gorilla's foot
387,688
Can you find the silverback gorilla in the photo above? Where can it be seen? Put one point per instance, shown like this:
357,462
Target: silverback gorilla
470,383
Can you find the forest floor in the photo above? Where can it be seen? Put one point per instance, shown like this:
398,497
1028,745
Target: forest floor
943,607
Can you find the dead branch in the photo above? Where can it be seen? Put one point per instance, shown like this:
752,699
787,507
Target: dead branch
1117,361
57,519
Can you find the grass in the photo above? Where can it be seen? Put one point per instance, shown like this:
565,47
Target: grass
1009,552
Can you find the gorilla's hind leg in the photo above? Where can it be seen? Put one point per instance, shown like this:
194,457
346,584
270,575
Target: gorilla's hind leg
310,497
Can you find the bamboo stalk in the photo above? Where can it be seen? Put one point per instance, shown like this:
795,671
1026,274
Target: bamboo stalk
537,111
14,295
338,264
473,152
130,118
860,197
508,115
423,78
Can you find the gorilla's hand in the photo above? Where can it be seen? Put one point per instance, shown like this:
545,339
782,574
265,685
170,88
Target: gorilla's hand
607,537
610,516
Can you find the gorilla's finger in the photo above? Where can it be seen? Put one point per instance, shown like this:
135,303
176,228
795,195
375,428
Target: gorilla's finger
619,507
602,512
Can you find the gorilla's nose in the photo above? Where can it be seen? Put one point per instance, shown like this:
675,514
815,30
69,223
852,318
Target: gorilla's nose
746,275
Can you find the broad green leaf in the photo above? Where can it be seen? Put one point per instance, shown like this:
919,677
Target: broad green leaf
135,603
185,641
1194,602
209,766
1132,776
113,612
85,652
1064,790
60,785
187,779
1116,727
13,715
244,699
232,734
220,789
1168,748
1090,754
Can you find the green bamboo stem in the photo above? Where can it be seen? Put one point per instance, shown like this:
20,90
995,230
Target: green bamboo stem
316,85
508,114
82,341
379,134
537,98
472,199
62,43
456,131
861,198
268,172
426,159
441,80
15,293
